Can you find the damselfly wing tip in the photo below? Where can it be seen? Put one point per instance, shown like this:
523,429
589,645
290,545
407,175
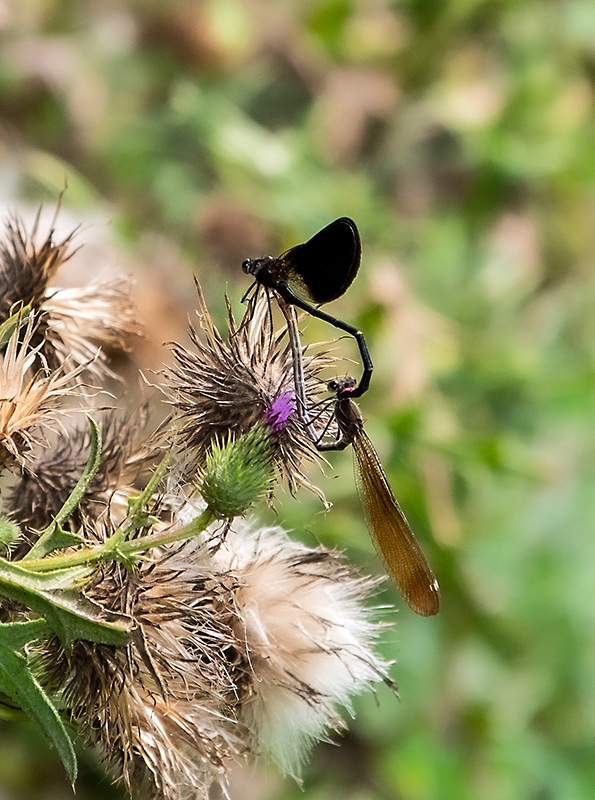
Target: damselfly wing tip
427,602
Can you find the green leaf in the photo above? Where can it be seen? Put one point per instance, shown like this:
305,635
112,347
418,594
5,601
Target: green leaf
54,537
17,682
17,634
53,596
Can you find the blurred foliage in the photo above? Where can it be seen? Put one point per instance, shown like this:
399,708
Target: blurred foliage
460,135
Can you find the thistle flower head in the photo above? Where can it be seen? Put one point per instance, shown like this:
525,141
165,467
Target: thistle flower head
81,320
276,417
26,269
9,534
237,473
224,387
161,709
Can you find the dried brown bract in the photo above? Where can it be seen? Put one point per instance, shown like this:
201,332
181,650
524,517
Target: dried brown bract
32,396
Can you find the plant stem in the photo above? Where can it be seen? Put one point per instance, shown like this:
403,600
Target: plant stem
118,548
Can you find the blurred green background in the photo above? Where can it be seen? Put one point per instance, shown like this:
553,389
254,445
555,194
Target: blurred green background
459,134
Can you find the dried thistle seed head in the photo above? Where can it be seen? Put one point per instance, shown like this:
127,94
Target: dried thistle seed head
251,648
78,324
31,397
162,708
44,485
310,638
224,387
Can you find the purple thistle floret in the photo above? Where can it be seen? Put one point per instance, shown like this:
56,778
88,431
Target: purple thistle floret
276,417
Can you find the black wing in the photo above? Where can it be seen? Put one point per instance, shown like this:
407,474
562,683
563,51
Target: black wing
324,267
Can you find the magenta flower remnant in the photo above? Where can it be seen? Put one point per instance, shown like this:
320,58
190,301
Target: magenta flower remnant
180,637
277,416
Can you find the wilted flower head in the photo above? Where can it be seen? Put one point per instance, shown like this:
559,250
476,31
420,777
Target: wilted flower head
72,323
31,395
224,387
81,320
25,268
253,649
44,483
160,707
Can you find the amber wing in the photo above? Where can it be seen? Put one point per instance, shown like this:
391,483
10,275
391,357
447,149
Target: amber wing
393,538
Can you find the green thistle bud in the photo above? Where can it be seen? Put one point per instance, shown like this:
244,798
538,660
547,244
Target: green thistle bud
9,533
237,473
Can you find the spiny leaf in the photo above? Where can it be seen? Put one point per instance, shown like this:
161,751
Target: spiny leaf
17,682
52,595
17,634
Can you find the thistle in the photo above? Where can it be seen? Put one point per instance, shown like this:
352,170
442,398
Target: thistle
237,474
226,386
176,649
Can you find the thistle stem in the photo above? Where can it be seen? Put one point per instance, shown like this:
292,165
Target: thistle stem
120,549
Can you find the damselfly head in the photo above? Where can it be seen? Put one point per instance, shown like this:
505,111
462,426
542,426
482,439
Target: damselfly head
342,386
